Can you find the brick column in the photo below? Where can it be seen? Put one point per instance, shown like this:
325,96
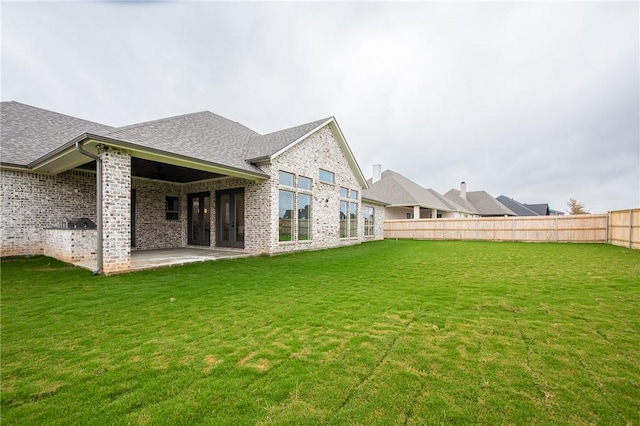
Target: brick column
116,210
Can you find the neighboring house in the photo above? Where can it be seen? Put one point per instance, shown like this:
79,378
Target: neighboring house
408,200
521,209
480,203
518,208
196,180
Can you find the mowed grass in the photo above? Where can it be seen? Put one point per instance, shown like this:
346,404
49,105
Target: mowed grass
393,332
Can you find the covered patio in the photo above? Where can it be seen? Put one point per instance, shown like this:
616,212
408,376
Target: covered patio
158,258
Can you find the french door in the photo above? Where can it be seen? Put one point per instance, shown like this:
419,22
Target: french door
199,218
230,218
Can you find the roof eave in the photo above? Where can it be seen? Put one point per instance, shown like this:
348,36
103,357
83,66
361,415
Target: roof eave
142,152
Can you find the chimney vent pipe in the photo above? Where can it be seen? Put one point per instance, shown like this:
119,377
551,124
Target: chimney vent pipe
377,173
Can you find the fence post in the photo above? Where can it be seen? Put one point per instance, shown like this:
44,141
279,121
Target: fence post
606,228
513,229
555,232
630,228
444,229
476,228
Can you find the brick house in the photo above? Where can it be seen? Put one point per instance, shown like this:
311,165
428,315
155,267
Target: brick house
195,180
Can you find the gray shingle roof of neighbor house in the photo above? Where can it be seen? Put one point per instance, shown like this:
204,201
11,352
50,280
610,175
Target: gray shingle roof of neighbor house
28,133
541,209
481,201
517,207
398,190
367,194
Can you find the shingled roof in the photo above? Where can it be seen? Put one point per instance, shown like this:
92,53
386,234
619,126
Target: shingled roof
482,203
202,135
517,207
28,133
272,143
398,190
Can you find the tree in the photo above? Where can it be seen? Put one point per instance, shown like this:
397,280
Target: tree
575,207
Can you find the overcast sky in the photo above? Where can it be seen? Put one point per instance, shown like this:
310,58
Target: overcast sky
538,101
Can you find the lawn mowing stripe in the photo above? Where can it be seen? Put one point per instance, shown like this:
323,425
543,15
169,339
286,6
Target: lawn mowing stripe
382,358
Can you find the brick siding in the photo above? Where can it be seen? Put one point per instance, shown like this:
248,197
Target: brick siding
116,214
32,202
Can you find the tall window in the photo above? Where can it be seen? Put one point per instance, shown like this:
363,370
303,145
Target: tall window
285,213
304,217
294,207
348,213
368,221
353,220
344,213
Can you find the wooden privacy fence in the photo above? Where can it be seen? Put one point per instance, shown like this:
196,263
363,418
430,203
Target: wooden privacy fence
624,228
620,228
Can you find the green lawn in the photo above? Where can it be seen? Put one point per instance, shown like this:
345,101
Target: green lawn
393,332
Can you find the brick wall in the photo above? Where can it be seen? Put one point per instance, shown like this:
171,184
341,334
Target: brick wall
378,222
318,151
70,245
153,230
31,202
256,200
116,215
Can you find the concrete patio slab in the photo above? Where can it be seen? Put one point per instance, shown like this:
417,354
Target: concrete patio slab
150,259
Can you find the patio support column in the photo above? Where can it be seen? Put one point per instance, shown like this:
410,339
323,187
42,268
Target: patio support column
116,210
416,212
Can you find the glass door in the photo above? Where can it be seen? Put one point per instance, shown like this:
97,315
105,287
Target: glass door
230,218
199,218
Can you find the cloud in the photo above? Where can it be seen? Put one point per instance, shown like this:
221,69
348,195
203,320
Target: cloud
534,100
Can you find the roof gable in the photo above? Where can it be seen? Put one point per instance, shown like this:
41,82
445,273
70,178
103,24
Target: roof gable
274,144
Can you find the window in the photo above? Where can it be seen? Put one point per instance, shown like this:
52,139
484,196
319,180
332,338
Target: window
304,183
409,215
294,208
344,211
285,214
326,176
353,219
172,208
348,213
368,221
285,178
304,217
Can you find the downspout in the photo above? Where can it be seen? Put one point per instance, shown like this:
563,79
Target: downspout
98,204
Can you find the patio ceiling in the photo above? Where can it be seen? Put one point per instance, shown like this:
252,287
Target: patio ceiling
149,169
